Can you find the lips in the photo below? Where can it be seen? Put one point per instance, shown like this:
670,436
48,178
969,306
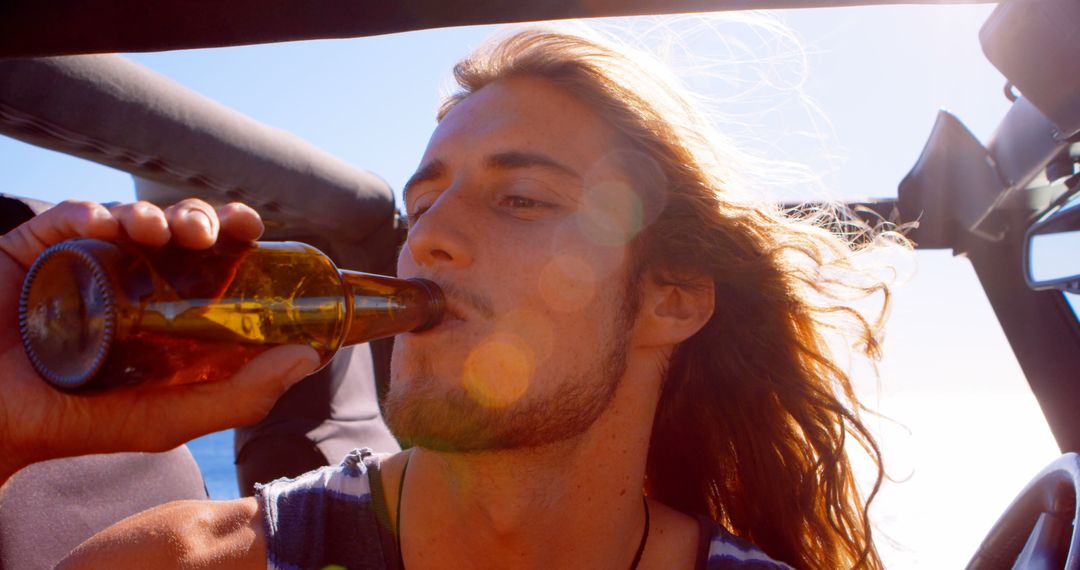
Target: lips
453,313
461,304
452,317
456,308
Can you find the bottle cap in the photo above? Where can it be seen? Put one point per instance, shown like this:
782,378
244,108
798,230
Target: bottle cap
67,314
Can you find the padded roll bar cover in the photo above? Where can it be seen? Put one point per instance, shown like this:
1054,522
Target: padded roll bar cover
49,508
951,187
15,210
31,28
373,251
1033,43
1023,144
116,112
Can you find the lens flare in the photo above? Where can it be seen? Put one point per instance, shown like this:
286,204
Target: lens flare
498,371
607,261
611,213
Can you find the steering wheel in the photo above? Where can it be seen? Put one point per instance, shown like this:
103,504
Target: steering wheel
1041,528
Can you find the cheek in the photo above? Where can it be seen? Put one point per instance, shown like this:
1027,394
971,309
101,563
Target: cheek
405,264
499,371
577,274
532,330
567,283
572,307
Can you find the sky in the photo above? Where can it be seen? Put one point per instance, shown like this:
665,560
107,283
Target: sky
854,104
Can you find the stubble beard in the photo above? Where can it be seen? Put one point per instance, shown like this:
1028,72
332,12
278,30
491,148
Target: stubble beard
424,413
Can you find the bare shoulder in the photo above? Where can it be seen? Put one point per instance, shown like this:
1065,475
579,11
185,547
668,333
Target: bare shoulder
673,538
184,534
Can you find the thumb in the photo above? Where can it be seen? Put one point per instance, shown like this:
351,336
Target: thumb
254,389
277,369
148,418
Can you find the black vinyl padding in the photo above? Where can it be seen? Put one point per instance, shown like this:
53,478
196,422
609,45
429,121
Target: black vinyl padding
51,507
30,28
113,111
15,210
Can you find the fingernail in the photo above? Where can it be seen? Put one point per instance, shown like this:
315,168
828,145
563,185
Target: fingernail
101,213
199,217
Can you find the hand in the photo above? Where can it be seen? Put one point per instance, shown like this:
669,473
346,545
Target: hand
37,422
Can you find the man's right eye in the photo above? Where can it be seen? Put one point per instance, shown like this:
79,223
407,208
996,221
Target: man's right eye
415,215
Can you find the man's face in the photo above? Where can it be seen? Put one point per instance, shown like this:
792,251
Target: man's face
521,211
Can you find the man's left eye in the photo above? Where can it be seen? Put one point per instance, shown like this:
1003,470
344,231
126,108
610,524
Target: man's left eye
522,202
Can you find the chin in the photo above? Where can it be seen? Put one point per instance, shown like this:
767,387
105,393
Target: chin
456,401
429,413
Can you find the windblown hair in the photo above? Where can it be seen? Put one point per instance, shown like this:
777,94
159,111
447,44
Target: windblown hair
755,410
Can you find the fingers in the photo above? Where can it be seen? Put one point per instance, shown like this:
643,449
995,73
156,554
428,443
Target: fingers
255,388
195,410
194,223
143,222
155,418
240,222
67,220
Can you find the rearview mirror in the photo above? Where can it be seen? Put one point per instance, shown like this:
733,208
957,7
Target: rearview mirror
1052,251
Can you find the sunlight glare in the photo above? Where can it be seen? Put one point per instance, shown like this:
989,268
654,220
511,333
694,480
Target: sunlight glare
611,213
497,373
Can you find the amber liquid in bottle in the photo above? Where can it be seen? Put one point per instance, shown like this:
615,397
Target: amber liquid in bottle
96,314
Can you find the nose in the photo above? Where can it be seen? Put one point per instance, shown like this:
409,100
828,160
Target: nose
439,238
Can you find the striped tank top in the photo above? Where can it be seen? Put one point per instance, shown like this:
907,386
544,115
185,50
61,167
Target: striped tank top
337,517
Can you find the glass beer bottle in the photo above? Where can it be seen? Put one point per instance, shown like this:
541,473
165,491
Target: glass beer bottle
96,314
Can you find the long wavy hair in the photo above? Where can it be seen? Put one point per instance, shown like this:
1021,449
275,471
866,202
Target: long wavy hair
755,410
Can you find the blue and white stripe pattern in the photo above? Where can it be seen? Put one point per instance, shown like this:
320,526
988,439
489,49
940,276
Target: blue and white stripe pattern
727,551
323,518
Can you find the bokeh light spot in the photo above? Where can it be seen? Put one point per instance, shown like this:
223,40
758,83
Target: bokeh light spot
611,213
498,371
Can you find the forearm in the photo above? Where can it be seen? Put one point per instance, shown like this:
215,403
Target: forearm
181,535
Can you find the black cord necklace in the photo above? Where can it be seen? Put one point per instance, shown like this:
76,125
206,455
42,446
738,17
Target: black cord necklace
397,523
644,536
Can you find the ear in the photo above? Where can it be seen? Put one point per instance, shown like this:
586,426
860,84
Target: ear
673,310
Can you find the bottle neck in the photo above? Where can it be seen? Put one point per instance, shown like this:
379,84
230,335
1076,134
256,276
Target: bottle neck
380,306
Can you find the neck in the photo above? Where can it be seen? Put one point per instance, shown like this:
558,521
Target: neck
576,503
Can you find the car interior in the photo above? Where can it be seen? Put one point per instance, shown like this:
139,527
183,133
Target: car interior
1011,206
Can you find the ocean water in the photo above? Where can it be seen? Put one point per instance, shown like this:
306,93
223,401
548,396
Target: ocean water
214,454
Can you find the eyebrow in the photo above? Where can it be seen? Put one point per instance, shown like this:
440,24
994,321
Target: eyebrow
509,160
429,171
516,159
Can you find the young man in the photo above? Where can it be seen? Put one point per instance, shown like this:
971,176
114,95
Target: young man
632,360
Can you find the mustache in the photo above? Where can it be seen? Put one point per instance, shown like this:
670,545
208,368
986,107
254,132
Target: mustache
462,296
